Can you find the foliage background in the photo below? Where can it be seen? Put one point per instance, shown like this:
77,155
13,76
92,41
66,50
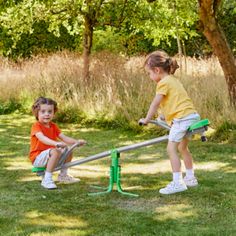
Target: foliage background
34,27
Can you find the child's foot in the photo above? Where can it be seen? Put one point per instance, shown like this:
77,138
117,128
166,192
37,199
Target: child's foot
173,187
48,184
67,179
190,182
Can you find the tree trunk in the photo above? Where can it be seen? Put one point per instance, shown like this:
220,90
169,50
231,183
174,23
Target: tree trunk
180,52
218,41
185,58
87,45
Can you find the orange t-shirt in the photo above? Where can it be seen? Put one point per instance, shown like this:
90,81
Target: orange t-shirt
36,146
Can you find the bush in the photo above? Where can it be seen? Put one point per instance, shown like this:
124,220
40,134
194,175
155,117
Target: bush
7,107
70,115
226,132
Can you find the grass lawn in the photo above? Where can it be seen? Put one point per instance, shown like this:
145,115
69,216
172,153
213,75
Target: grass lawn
28,209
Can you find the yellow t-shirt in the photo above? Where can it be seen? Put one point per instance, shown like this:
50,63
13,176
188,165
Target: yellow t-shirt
176,102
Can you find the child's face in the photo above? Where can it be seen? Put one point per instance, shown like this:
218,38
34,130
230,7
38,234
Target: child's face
154,73
45,113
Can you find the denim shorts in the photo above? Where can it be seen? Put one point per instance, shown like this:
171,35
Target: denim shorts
180,126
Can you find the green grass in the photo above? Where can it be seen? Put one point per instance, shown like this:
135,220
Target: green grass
27,209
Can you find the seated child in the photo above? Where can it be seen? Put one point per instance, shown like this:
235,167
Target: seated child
45,149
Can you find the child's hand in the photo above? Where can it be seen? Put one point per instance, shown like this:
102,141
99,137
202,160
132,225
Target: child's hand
82,142
161,117
60,145
143,121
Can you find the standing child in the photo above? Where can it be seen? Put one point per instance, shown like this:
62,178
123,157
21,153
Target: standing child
45,149
179,113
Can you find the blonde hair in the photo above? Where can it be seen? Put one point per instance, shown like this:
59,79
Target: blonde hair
161,59
40,101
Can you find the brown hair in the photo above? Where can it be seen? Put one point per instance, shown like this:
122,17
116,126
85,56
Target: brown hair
161,59
40,101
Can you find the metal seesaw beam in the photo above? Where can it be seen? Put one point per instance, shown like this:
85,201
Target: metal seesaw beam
119,150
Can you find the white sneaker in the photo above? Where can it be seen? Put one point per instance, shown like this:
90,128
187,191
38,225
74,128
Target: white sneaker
190,182
67,179
173,187
48,184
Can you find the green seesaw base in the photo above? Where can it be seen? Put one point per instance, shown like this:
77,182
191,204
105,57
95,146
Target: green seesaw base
114,178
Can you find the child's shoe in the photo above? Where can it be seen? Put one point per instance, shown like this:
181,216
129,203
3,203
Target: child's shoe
190,182
66,179
173,187
48,184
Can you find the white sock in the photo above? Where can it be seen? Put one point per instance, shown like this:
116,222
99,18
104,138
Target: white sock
48,175
177,177
189,173
64,171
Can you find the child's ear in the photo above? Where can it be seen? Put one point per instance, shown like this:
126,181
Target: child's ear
157,70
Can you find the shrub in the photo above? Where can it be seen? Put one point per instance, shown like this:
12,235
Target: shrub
225,132
9,106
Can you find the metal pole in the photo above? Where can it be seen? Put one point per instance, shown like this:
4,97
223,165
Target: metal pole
160,123
108,153
84,160
142,144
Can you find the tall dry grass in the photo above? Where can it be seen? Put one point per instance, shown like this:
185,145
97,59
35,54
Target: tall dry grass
118,88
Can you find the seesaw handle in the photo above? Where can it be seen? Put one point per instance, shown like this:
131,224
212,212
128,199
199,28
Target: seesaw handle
158,122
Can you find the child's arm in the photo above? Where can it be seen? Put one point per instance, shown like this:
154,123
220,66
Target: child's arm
70,140
44,139
152,109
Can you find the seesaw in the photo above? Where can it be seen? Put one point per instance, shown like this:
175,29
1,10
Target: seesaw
115,170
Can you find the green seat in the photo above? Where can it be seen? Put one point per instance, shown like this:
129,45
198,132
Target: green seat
199,128
198,125
39,170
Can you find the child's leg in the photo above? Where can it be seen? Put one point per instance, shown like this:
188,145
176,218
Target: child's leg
175,162
187,156
69,158
177,185
64,170
47,181
64,177
190,180
173,155
53,159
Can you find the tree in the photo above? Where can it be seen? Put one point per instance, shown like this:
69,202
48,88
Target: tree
166,20
79,17
216,37
170,20
98,14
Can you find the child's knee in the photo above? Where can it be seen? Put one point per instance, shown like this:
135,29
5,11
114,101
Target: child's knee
171,148
182,148
55,152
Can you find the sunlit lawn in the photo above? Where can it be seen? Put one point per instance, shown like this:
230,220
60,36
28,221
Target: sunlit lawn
28,209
